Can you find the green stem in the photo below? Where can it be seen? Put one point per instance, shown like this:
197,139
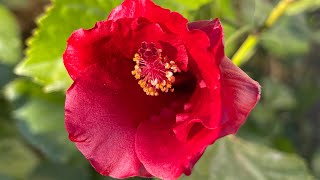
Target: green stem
246,49
277,12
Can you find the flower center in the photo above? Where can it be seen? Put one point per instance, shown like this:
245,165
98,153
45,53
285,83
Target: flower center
153,70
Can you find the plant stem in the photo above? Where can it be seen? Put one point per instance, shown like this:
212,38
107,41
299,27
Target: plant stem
246,49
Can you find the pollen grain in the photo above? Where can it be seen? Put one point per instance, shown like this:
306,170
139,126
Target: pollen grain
154,72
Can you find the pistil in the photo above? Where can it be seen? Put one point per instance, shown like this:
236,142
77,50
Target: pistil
154,71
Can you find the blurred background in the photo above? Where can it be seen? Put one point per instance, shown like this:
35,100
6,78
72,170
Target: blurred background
281,139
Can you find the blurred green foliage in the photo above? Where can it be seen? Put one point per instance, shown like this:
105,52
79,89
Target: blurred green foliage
232,158
34,143
10,40
50,36
40,118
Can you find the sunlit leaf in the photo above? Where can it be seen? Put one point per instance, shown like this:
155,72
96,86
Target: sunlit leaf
43,60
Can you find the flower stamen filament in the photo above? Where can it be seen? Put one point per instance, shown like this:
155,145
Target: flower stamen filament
154,72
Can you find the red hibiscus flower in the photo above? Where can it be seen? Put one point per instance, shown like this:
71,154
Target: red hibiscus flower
151,91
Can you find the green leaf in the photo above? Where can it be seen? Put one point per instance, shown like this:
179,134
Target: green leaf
10,42
16,159
43,60
232,158
15,4
277,96
289,38
6,122
17,88
316,36
5,74
41,120
254,11
7,127
51,171
3,177
191,4
316,163
223,9
184,7
46,130
261,11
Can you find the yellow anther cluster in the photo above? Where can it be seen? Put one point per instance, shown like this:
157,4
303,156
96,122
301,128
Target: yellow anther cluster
152,87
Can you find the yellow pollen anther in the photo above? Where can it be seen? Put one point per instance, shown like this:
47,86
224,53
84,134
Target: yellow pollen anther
172,79
153,70
154,82
169,74
164,82
167,66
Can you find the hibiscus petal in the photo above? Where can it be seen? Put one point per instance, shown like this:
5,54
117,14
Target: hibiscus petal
171,45
214,31
159,150
239,95
117,40
172,157
181,147
205,103
87,47
173,21
100,121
